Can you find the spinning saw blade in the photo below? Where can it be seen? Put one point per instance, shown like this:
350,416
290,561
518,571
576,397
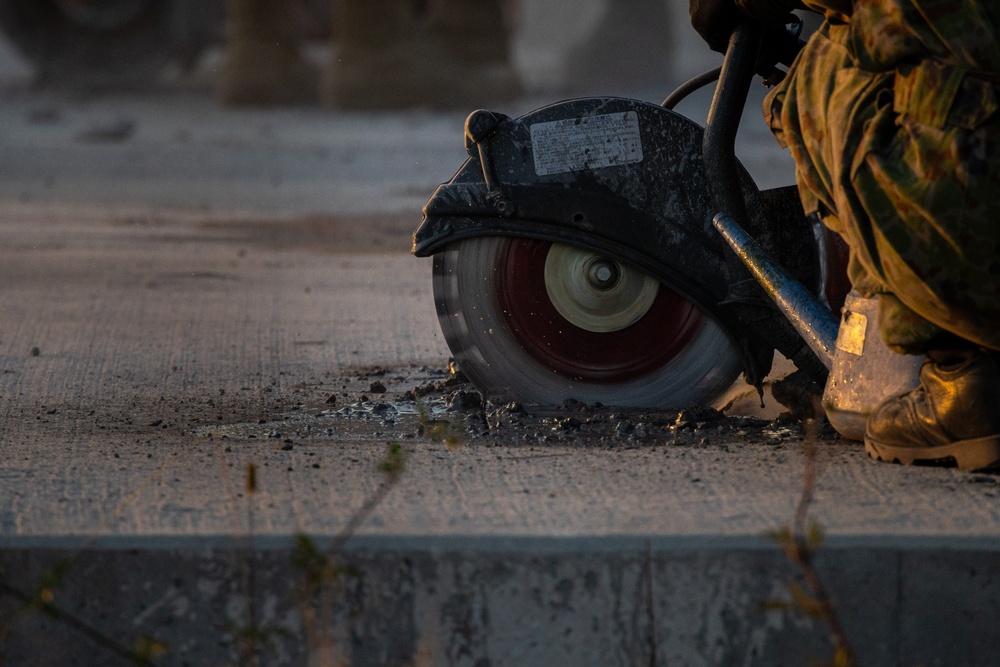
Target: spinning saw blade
541,323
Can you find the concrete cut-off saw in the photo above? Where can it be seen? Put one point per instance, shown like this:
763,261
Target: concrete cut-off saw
609,250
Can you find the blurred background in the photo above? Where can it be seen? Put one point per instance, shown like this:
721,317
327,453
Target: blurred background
303,106
606,46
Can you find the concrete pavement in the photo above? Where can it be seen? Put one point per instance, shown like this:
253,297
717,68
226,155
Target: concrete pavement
183,295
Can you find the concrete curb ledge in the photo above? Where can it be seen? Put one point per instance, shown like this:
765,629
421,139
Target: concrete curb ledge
493,600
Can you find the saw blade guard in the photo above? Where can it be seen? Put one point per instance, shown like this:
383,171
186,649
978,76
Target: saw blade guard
593,217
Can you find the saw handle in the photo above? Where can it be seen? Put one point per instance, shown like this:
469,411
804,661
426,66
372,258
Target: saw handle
780,46
724,183
746,56
719,144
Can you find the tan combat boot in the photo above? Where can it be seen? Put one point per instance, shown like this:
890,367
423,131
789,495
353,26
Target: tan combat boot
262,62
390,55
951,419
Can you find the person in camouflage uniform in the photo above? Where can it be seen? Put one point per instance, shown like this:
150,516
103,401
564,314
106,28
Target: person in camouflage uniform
891,115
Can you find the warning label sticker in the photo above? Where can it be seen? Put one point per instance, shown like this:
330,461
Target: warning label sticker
590,142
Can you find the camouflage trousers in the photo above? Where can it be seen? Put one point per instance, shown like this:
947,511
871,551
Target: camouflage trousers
905,165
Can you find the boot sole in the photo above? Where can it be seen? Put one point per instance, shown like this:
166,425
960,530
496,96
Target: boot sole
970,455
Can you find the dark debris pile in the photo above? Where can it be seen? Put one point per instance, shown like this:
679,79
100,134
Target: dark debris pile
442,404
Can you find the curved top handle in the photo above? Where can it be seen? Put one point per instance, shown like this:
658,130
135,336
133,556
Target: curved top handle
719,147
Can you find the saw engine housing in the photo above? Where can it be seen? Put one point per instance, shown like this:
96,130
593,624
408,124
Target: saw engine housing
622,179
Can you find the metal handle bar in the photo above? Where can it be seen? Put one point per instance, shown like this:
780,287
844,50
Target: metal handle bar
722,169
719,147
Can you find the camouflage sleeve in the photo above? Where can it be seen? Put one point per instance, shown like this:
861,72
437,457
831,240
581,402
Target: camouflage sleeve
835,10
887,33
770,11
